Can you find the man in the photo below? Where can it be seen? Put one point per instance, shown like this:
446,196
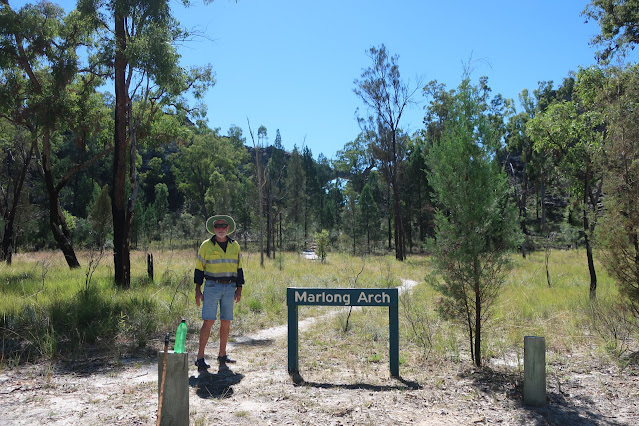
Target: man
219,266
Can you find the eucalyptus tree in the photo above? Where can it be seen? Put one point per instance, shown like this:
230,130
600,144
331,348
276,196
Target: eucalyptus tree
355,161
260,180
244,196
48,89
527,168
138,43
295,183
387,96
326,208
417,192
475,224
206,167
275,169
313,198
368,216
613,93
572,133
350,217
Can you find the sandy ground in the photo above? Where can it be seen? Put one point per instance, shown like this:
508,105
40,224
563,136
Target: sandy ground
582,390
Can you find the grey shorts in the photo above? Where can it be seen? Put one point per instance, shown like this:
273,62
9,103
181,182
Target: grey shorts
218,294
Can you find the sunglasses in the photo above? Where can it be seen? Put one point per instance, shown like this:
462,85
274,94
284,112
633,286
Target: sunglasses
220,225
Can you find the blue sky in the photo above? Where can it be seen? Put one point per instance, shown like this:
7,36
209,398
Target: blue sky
291,64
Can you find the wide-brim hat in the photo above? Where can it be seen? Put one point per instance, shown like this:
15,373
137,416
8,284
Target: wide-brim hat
211,220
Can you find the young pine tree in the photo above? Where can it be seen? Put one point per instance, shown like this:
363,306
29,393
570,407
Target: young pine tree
475,224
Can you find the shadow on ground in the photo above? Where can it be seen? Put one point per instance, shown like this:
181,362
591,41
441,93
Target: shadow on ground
215,385
249,341
560,409
403,385
94,361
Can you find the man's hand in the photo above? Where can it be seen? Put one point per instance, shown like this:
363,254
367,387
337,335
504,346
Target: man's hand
238,294
198,296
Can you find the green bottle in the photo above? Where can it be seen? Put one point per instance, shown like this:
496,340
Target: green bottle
180,337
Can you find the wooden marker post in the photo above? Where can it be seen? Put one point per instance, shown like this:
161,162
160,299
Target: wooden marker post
161,398
534,371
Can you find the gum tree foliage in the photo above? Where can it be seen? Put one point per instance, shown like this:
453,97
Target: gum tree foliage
531,170
47,90
619,24
475,222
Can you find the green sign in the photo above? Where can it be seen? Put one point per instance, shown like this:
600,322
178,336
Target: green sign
296,296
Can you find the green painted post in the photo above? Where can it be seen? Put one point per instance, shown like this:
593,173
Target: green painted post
293,339
393,329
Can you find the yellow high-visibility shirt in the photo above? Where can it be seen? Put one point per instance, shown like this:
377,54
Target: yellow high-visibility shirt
213,263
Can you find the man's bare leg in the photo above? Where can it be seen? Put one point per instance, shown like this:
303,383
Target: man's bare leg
225,328
205,332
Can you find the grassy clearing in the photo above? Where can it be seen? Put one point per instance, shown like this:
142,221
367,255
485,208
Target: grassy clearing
48,310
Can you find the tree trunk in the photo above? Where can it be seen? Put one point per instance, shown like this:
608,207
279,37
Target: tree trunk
400,244
8,239
477,325
8,242
59,227
260,206
280,235
587,234
471,335
543,205
389,216
121,259
260,176
269,219
591,267
57,223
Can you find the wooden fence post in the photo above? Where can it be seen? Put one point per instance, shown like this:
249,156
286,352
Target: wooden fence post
149,265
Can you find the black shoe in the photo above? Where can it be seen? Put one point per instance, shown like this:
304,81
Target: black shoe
225,360
201,364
